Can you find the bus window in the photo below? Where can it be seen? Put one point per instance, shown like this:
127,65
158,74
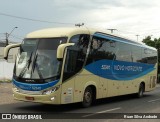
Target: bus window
123,52
76,55
136,54
101,49
149,56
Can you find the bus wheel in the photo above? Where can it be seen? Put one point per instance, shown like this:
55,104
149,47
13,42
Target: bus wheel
141,91
87,97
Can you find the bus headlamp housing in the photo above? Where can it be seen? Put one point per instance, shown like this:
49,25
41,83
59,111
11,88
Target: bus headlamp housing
15,88
49,91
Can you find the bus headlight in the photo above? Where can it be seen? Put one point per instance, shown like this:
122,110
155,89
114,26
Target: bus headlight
15,88
49,91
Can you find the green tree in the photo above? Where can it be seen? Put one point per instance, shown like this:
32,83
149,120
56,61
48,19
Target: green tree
153,43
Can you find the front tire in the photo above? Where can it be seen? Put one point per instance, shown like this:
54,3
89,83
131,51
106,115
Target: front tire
87,97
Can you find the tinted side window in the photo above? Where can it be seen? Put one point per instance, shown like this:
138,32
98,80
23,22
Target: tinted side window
123,52
101,49
98,48
76,55
149,56
152,57
144,55
111,49
136,53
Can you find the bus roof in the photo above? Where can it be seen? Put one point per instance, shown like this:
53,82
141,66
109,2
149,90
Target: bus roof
57,32
70,31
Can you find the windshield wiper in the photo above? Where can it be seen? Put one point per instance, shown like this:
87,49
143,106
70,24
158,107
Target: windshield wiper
30,60
25,67
35,65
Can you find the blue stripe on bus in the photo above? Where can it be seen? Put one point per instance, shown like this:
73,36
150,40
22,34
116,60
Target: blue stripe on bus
116,39
119,70
34,87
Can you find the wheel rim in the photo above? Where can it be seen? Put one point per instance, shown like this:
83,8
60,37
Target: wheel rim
88,97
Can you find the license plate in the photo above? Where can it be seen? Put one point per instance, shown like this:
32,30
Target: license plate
29,98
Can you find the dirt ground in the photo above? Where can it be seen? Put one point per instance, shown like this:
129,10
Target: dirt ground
6,95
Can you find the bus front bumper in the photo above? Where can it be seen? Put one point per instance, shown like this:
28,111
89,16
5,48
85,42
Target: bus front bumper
47,99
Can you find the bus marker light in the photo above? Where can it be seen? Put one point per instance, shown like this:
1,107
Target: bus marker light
29,98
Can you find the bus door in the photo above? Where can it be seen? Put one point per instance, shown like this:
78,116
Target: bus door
68,77
73,67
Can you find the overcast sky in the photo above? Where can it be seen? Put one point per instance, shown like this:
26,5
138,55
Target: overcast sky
129,17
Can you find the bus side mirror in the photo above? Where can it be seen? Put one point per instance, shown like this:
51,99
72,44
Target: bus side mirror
7,49
61,49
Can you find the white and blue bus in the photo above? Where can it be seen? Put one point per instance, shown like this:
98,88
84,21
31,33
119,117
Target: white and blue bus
68,65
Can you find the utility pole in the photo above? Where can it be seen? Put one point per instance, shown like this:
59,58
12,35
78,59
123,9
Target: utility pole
79,25
112,30
137,37
7,35
6,39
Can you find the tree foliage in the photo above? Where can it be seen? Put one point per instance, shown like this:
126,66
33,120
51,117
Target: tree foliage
153,43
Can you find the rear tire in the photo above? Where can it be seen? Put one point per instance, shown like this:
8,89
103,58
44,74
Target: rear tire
141,91
87,97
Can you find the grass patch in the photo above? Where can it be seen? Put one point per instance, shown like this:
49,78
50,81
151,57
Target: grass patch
5,81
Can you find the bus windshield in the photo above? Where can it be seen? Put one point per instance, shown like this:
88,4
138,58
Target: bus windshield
37,58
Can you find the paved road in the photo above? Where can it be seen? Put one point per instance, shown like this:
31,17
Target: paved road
150,103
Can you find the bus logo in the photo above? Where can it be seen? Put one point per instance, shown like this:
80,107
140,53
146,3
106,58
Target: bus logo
30,81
